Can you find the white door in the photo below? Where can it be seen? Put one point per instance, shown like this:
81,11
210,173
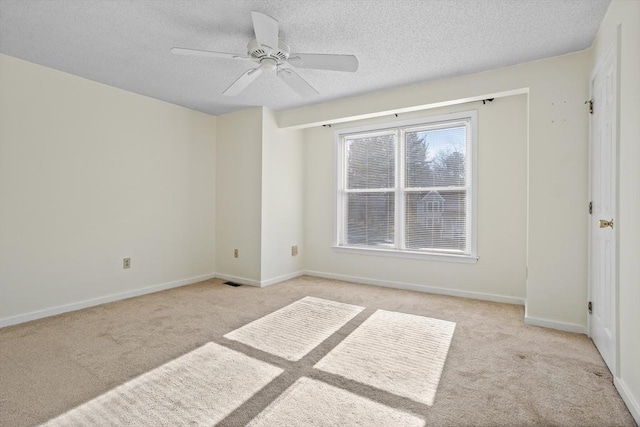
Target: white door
602,251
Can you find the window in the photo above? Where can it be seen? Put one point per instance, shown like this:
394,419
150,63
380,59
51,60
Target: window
408,189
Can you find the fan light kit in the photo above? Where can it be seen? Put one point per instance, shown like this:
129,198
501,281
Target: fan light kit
273,54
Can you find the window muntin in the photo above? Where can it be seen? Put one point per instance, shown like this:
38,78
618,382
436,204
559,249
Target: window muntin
408,188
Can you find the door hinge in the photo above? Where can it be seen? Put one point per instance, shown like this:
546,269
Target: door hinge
590,102
590,208
590,307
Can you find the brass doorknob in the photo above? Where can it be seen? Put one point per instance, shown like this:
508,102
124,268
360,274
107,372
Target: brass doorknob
604,223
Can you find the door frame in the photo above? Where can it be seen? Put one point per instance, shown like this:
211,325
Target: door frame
615,47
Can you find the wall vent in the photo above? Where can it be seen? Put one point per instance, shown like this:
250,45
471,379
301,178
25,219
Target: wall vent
234,284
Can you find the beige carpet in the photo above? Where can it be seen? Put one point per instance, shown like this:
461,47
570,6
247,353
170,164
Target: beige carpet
403,354
199,389
313,403
400,353
296,329
396,352
498,372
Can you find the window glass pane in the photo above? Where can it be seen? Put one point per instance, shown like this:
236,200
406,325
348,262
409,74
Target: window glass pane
371,161
370,218
436,158
436,220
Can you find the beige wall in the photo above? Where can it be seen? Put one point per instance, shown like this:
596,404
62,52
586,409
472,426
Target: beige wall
624,17
259,197
282,201
556,291
502,164
239,195
89,175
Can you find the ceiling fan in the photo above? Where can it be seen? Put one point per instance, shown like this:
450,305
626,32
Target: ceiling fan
273,54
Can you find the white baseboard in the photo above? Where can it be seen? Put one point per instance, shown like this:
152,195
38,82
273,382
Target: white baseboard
419,288
34,315
282,278
240,280
552,324
259,283
631,401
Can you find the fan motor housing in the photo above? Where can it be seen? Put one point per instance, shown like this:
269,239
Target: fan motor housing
263,54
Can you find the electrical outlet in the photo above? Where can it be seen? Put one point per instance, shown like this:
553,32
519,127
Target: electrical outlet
235,253
294,250
126,263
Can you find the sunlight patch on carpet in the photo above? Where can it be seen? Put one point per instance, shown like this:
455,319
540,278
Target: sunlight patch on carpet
314,403
200,388
293,331
400,353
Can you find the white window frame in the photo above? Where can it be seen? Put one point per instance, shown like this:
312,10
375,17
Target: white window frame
400,127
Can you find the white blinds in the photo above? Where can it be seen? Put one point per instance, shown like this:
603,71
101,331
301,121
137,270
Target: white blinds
408,188
435,194
370,189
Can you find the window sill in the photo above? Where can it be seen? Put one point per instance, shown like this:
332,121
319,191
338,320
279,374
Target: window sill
464,259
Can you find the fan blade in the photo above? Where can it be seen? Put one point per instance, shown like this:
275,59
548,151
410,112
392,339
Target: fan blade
205,53
297,83
324,62
266,29
242,82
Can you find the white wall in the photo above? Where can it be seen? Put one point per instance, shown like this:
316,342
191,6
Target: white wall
89,175
502,164
239,195
282,200
557,169
625,15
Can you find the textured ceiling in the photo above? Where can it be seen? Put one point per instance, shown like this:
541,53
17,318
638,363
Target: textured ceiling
398,42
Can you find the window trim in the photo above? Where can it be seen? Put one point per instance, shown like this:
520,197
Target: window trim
400,127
